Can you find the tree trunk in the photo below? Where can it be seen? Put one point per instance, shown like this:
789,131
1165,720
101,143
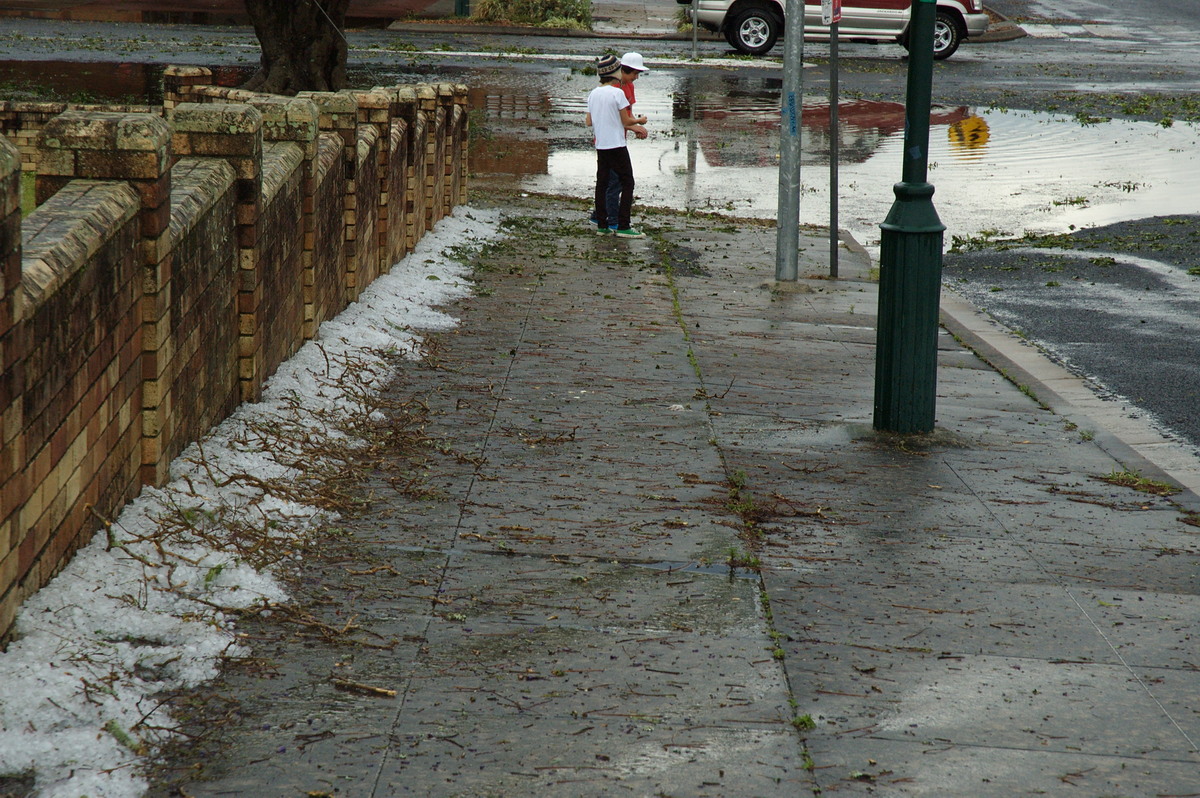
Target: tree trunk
303,48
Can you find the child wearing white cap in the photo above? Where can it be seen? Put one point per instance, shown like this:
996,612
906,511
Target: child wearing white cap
632,65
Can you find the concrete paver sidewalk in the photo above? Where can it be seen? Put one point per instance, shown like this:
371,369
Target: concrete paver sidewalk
570,604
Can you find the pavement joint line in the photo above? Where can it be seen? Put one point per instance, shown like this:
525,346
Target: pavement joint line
1125,664
670,566
1066,588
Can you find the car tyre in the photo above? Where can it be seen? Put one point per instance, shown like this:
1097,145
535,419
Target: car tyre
947,35
753,31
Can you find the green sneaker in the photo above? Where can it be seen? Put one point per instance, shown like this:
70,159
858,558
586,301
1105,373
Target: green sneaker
629,232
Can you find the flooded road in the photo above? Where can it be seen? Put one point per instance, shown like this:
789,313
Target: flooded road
714,146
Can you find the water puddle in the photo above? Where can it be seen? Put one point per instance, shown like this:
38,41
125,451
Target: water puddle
714,145
88,82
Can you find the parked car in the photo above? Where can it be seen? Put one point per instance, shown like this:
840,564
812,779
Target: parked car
753,26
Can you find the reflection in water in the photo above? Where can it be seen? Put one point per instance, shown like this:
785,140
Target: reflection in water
504,152
90,82
714,145
64,81
969,138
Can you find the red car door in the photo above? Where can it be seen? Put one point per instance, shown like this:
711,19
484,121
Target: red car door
876,18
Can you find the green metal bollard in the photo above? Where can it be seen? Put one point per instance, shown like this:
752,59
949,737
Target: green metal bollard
462,8
910,260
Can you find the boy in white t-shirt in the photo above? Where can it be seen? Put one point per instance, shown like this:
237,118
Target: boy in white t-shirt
608,114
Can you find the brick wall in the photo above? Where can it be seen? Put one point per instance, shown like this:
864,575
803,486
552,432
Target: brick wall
21,122
75,415
161,281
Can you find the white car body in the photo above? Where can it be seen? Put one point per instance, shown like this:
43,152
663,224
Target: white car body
753,26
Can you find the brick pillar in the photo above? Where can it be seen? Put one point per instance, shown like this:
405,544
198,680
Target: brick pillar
377,108
338,114
399,145
409,108
107,145
14,486
462,133
10,237
450,146
296,120
235,133
435,150
135,148
178,82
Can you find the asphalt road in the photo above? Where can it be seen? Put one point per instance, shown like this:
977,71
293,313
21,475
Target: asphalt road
1116,304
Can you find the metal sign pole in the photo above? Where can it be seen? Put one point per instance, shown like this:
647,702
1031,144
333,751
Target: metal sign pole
835,136
787,241
695,30
831,15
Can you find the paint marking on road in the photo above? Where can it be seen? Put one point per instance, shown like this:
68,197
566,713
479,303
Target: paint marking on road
1110,31
1082,31
1073,31
1043,31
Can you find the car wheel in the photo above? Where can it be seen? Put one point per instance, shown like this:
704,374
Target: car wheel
753,31
947,35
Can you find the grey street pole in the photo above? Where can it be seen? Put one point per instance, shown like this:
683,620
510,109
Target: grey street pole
910,260
787,238
695,32
835,136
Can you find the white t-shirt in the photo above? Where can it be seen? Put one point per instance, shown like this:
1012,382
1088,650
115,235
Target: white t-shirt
605,104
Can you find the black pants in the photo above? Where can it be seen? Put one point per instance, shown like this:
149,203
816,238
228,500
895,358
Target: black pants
609,161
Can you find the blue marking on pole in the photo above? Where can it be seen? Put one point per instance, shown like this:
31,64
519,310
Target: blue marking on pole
914,153
793,127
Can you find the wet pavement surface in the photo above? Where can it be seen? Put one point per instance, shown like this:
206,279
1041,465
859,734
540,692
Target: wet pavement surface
666,554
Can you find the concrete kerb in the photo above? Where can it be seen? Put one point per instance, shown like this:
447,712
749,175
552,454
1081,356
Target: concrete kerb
1003,31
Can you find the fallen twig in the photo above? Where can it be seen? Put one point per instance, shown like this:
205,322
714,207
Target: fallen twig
346,684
